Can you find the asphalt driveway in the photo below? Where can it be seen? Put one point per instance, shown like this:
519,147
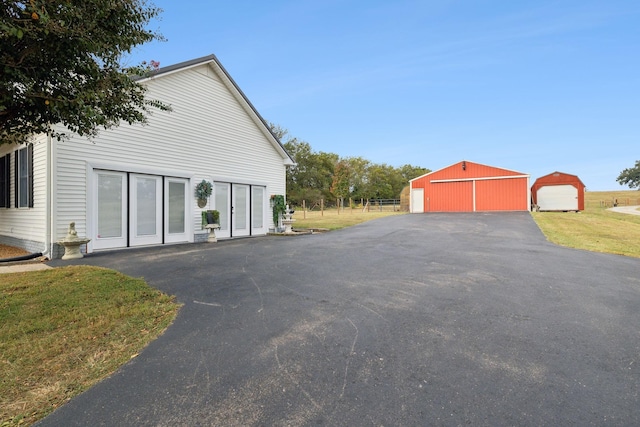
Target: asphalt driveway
435,319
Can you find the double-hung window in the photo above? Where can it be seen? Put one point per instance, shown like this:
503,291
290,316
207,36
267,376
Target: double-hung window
24,177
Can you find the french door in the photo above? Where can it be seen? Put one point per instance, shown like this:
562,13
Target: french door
137,209
110,210
222,197
258,210
145,213
242,209
176,207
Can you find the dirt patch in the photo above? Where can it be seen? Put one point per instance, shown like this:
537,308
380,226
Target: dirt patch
11,251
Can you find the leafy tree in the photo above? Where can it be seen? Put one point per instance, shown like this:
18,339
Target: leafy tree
328,176
358,176
630,176
409,172
340,185
380,182
61,63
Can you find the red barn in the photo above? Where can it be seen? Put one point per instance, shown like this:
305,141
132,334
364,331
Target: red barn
470,187
558,192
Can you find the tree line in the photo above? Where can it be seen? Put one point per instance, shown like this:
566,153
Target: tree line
328,176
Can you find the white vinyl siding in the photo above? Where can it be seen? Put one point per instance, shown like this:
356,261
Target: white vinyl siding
27,223
208,135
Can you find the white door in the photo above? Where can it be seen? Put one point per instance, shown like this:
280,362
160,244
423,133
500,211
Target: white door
258,210
417,200
240,210
110,229
145,210
558,198
222,198
176,205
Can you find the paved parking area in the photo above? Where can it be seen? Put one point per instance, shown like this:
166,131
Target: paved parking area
435,319
632,210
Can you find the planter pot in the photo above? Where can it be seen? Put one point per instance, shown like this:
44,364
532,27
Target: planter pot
202,203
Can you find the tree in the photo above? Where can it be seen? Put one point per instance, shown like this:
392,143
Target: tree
630,176
328,176
61,64
409,172
341,181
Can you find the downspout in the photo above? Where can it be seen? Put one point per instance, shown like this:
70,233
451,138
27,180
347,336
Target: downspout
49,200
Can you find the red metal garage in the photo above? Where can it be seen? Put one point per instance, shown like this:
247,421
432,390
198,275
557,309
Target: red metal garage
558,192
470,187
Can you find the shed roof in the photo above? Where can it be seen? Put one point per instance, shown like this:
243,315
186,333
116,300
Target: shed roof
557,173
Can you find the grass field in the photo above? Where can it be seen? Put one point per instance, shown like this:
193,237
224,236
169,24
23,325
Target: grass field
64,329
596,228
332,219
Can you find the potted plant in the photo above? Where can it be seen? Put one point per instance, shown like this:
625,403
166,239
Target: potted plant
278,206
210,217
211,222
203,191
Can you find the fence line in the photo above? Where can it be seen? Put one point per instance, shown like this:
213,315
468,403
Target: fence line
347,205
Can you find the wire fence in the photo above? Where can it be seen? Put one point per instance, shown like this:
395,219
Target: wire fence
364,205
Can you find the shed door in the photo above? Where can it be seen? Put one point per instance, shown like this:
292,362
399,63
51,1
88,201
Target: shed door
417,200
558,198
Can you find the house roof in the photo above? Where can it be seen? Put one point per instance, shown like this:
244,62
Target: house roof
212,61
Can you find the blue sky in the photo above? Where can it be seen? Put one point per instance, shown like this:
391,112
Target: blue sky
532,86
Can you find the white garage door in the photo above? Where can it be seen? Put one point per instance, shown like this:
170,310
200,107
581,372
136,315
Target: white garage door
558,198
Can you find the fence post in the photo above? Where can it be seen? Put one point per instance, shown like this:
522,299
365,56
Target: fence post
321,207
304,209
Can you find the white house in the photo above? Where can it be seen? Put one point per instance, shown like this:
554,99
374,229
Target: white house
135,185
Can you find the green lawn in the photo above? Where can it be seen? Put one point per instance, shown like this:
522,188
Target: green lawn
64,329
332,219
596,228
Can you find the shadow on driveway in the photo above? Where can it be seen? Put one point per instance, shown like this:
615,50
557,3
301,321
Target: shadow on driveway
434,319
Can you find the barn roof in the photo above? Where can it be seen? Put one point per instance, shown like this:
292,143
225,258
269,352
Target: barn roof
509,171
557,173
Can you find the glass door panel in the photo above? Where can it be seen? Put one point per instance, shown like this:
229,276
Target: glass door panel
258,203
145,209
111,208
240,210
222,194
176,208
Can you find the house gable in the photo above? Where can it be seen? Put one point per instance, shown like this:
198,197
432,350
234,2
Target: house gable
209,66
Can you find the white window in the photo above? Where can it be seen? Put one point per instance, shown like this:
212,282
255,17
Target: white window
24,177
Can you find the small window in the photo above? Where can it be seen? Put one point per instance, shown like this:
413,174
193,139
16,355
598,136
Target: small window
24,177
5,170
